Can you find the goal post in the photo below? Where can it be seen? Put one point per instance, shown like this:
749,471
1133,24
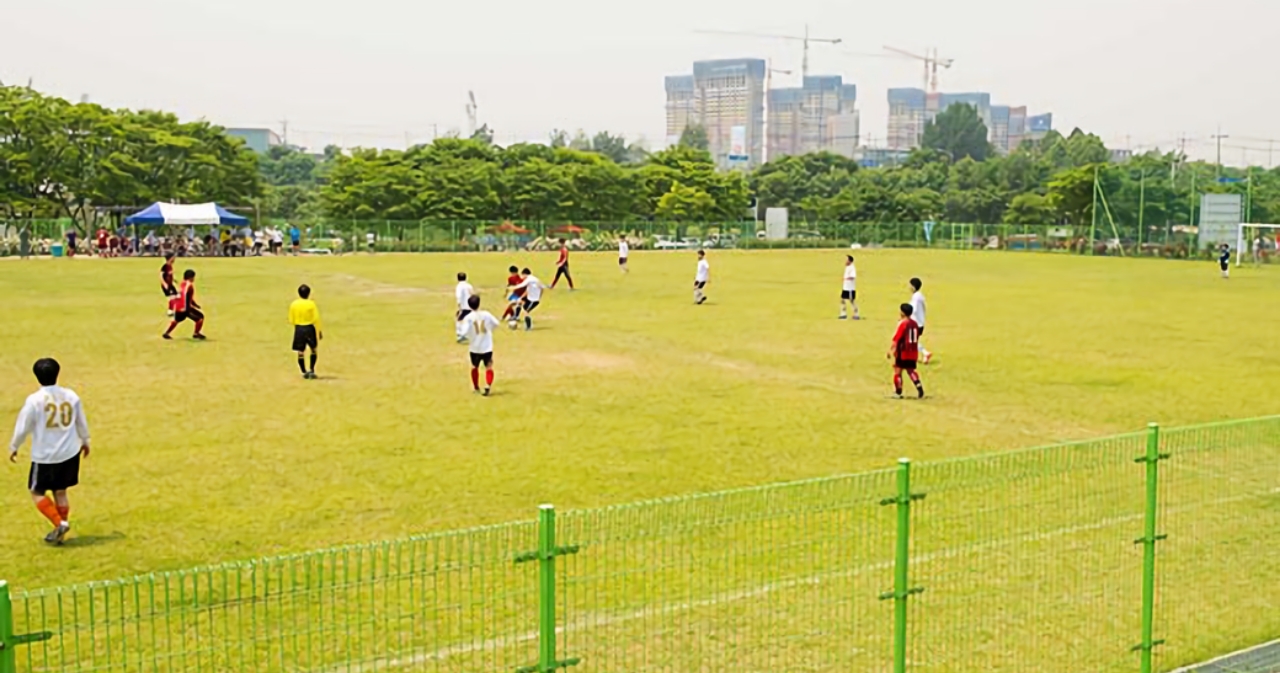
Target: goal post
1248,231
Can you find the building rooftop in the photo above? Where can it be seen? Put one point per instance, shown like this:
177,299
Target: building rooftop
751,67
679,82
912,97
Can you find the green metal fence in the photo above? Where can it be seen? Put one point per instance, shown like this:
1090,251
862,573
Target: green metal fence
1138,552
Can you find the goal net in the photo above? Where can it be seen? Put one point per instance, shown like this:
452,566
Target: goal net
1257,242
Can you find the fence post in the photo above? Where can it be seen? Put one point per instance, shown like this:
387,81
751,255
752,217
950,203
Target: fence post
546,558
1148,541
8,659
902,557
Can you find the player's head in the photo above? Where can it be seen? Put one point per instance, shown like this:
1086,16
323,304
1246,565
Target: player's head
906,310
702,253
848,259
916,284
513,269
474,302
526,272
461,276
189,274
46,371
624,237
562,243
304,291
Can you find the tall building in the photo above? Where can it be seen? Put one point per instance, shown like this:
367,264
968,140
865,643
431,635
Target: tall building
727,100
820,116
999,131
681,106
1017,126
1039,125
906,118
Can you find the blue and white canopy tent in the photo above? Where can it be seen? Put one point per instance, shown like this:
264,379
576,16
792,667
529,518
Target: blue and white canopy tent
184,214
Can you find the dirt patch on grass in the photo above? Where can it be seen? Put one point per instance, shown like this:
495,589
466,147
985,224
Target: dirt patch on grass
594,360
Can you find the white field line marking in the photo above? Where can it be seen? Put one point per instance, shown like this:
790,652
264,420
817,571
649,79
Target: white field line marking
603,620
1193,667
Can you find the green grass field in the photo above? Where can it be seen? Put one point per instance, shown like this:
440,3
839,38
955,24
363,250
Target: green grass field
219,451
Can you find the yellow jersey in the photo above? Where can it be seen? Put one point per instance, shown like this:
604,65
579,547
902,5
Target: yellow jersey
304,312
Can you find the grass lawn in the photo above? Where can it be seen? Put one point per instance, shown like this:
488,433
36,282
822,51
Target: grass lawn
219,451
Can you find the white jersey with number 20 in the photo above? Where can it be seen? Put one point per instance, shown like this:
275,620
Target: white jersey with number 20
54,420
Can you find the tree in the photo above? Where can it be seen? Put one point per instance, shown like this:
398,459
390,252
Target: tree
614,147
1029,209
959,132
695,136
685,204
483,134
559,138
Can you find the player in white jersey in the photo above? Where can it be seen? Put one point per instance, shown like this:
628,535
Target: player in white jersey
532,288
849,288
700,278
54,419
479,329
624,249
917,314
463,292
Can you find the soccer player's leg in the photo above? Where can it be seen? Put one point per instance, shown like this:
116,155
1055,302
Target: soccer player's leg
853,301
925,354
915,379
488,373
178,317
528,311
476,359
567,276
198,317
897,379
844,299
63,504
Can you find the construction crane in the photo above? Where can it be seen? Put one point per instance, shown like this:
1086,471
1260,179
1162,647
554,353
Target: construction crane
931,63
805,39
472,111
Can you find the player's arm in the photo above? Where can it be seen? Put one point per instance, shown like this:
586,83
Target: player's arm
82,429
319,330
21,430
191,298
898,336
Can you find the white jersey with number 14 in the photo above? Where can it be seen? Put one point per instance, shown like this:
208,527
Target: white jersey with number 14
479,327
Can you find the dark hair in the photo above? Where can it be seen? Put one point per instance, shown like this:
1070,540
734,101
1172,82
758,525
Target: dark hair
513,269
562,242
189,274
906,310
46,371
527,272
702,253
473,301
849,257
915,282
462,276
304,291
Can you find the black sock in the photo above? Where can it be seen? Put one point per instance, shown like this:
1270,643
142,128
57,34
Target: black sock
313,362
302,365
528,322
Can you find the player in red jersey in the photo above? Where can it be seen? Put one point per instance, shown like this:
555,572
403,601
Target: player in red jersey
905,351
514,295
562,266
102,236
185,306
166,283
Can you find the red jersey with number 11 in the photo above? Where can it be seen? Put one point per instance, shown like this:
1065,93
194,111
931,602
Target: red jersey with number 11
906,340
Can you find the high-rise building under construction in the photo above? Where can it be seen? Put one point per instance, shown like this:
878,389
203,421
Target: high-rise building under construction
820,116
726,98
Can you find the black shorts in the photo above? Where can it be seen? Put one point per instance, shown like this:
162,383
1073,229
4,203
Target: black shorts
920,332
485,359
304,337
530,305
849,295
699,284
1224,265
622,261
909,365
58,477
189,314
169,290
462,314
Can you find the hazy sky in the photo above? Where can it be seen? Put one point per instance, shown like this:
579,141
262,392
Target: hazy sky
375,72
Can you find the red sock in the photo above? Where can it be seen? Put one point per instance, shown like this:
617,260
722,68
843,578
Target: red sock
64,511
488,377
897,383
172,324
507,313
50,511
475,378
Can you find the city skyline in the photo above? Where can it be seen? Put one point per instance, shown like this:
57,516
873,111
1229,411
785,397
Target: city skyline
398,72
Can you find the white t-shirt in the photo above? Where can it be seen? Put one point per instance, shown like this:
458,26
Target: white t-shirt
704,271
917,308
623,249
479,330
463,293
532,288
850,278
276,236
1257,244
370,237
54,420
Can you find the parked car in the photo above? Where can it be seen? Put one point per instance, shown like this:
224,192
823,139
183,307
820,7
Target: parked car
664,243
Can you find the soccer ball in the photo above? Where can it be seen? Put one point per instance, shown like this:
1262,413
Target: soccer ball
512,324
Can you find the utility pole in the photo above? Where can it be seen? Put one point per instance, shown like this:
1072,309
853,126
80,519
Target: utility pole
1218,136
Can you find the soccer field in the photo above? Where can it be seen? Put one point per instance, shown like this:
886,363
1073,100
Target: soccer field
219,450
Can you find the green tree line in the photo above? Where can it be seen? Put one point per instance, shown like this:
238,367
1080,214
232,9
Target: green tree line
62,159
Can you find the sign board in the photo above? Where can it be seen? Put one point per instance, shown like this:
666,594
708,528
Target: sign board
775,224
1220,218
738,144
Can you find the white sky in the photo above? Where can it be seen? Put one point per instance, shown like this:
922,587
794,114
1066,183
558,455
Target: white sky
378,72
